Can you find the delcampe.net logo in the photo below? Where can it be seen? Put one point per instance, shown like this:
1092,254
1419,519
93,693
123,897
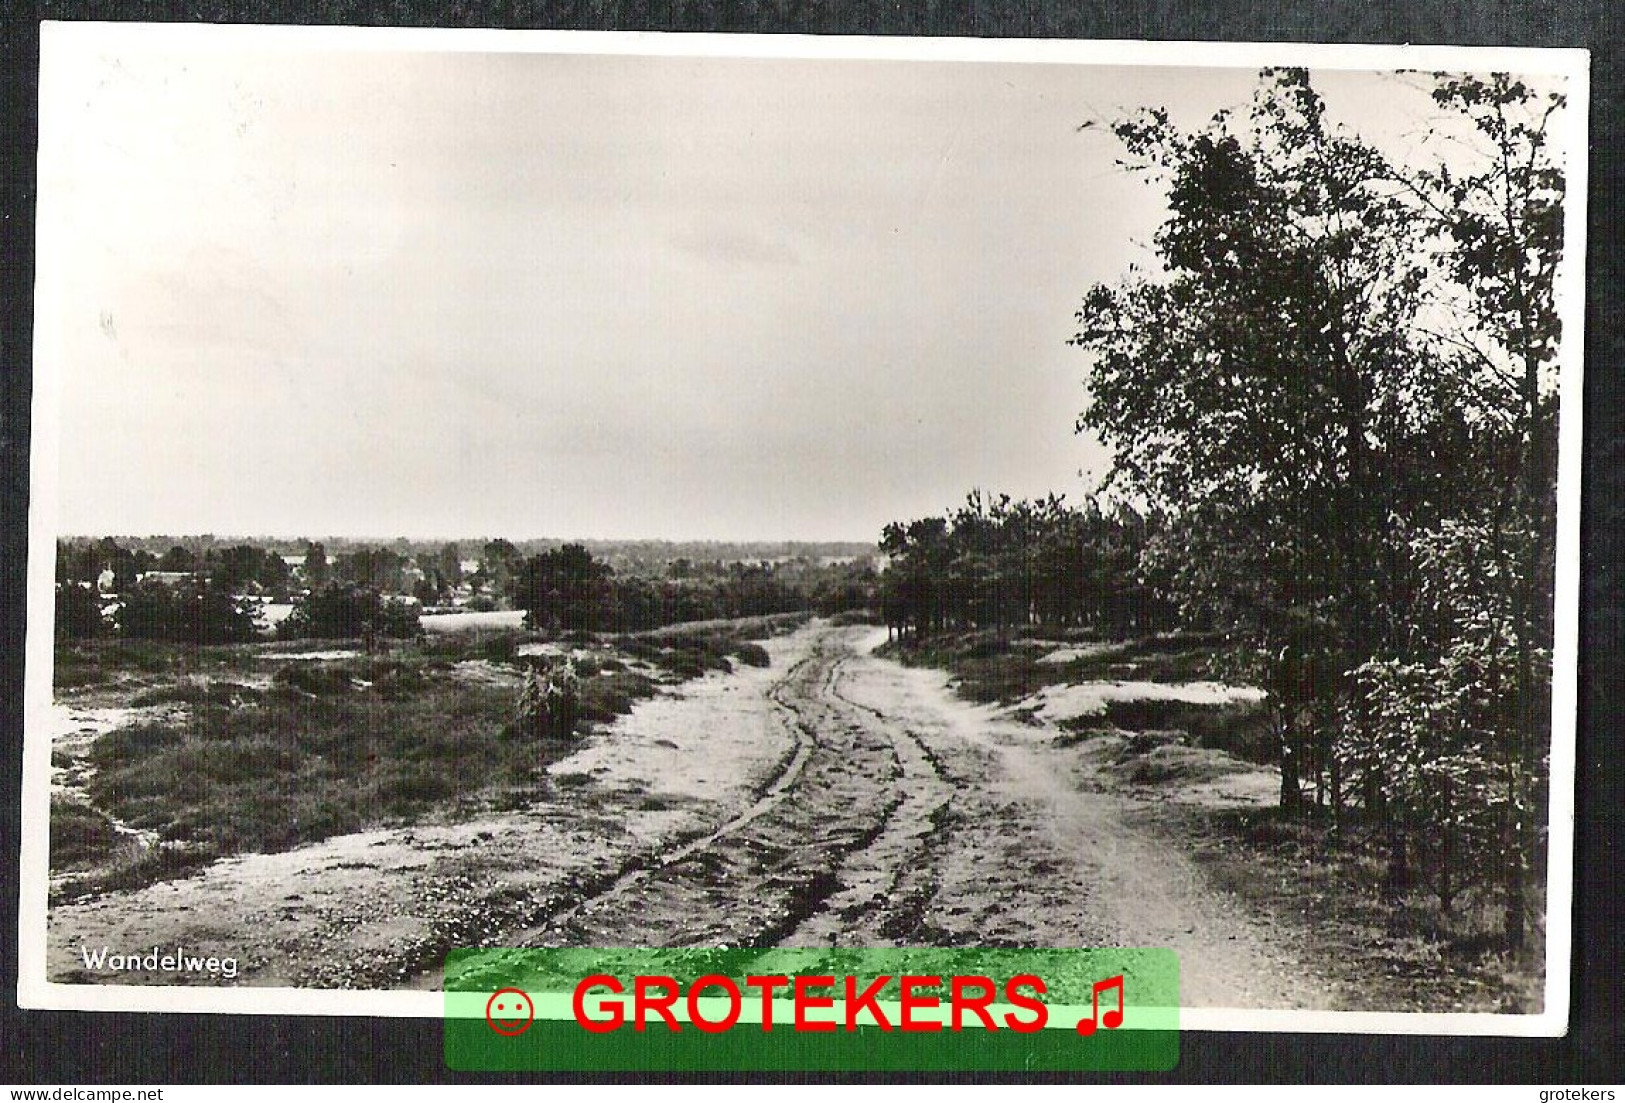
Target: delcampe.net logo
787,1009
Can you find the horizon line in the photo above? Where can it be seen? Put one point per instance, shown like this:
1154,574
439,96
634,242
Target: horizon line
480,538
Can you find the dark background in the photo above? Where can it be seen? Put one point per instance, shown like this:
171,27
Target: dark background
83,1048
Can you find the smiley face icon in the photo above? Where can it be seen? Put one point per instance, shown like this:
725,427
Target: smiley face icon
510,1012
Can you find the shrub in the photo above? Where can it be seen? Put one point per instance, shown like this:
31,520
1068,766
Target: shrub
321,679
752,654
294,768
133,741
395,680
501,648
550,703
612,694
79,833
222,694
343,610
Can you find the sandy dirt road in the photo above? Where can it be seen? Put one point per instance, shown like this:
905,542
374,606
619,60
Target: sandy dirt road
834,799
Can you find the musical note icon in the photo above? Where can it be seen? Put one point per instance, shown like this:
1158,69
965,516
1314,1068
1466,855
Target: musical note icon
1111,1019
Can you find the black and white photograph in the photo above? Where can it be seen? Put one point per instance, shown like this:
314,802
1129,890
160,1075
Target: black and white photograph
554,489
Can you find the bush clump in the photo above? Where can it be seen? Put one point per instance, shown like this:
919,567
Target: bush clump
501,648
549,704
345,611
197,611
218,694
79,833
752,654
319,679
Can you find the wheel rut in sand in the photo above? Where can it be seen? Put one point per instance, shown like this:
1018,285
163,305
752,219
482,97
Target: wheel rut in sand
834,801
831,834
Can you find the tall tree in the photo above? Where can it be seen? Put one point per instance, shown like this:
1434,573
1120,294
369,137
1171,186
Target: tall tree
450,565
178,559
316,567
565,588
1253,386
1495,208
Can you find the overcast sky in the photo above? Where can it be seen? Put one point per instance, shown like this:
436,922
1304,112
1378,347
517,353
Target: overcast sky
317,293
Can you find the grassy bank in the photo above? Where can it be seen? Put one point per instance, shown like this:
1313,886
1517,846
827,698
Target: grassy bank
1204,776
1009,668
1004,667
244,749
1399,954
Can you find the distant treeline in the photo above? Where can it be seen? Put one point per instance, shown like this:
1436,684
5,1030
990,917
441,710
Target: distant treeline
567,589
216,596
1000,563
647,557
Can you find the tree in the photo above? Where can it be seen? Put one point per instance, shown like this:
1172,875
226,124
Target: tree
343,610
274,577
1338,387
563,589
196,611
916,582
78,611
316,569
1498,220
178,560
1254,388
236,568
379,569
1439,717
450,566
110,555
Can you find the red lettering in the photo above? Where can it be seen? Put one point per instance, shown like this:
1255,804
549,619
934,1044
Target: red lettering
963,1002
856,1001
643,1003
713,980
805,1003
1012,994
767,984
578,1004
912,1003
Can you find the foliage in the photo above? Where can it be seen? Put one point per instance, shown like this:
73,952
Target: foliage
245,568
1335,391
316,566
79,833
564,590
78,612
549,704
197,611
1499,222
343,610
378,569
1001,563
291,768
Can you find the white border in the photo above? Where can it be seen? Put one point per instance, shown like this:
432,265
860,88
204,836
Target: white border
34,991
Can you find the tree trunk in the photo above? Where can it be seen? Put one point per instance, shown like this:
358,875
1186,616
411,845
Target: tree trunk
1399,869
1291,793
